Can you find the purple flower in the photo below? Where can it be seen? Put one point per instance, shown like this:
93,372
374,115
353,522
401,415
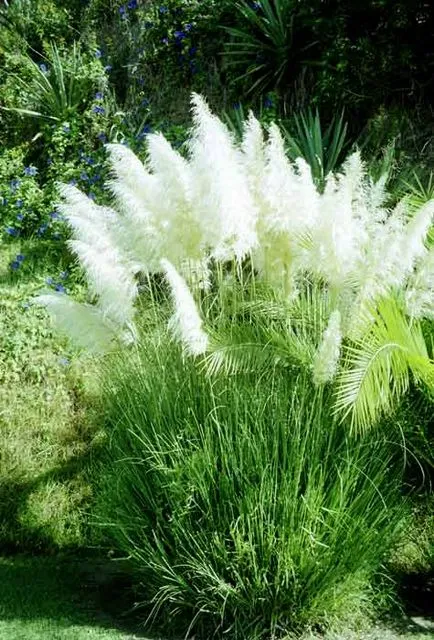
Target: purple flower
98,53
108,68
30,171
98,109
99,95
43,67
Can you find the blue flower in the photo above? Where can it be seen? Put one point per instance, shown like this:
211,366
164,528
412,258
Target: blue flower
43,67
19,204
255,6
66,128
73,182
49,161
268,102
20,217
98,53
15,265
132,4
188,27
63,275
60,288
12,231
3,201
42,229
84,176
180,35
30,171
122,10
108,68
163,10
99,95
49,281
91,195
90,161
237,106
20,257
98,109
192,51
54,215
102,137
165,40
14,184
145,102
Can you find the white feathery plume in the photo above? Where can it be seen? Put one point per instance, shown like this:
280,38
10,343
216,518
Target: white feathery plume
110,279
419,294
223,203
186,323
83,323
326,359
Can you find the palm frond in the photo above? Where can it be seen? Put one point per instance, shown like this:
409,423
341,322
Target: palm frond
377,369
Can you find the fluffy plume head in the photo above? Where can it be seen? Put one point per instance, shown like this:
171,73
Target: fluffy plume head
221,194
186,323
327,357
83,323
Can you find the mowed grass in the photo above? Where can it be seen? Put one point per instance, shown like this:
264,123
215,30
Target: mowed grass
46,599
47,402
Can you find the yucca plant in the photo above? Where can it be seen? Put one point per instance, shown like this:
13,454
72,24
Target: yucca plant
57,89
322,150
234,225
270,47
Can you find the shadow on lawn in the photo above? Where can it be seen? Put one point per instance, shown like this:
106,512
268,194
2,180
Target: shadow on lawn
66,590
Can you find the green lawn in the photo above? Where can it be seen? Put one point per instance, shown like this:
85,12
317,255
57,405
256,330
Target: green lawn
52,599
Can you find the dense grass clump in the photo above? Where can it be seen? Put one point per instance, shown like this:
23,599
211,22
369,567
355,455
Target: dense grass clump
245,507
